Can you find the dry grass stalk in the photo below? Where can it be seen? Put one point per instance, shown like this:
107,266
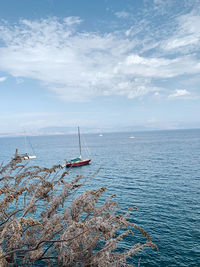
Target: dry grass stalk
39,223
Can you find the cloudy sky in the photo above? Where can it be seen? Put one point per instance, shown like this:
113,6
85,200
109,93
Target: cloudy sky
109,64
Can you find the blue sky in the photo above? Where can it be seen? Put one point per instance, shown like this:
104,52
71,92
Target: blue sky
106,65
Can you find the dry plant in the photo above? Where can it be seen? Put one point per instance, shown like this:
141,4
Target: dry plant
42,223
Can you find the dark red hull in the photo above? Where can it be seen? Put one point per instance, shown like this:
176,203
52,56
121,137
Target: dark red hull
77,163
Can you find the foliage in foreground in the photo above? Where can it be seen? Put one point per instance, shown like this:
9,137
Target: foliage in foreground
39,222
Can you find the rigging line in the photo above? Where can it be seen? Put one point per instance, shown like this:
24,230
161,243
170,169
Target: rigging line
31,146
79,139
86,147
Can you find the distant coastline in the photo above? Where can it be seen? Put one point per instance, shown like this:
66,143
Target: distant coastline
89,131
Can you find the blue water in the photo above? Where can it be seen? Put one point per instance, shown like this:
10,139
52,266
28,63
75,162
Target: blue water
159,172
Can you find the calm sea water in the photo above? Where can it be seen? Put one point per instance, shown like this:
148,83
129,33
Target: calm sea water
159,172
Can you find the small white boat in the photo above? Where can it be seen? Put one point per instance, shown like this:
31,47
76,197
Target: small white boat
100,134
26,156
132,137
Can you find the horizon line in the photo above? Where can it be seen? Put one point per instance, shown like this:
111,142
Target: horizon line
20,134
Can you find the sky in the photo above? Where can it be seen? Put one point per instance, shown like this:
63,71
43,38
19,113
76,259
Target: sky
107,65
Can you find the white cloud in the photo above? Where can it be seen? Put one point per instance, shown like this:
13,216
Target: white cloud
157,2
78,66
187,35
129,31
2,79
122,14
157,67
72,20
179,93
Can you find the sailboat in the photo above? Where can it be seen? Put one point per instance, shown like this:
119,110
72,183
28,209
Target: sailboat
79,161
26,156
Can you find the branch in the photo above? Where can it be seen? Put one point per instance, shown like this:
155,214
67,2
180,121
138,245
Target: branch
11,216
37,246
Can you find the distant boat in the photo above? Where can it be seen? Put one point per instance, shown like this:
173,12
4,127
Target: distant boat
79,161
25,155
100,134
132,137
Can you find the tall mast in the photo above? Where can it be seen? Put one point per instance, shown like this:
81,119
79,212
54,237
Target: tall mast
25,144
79,138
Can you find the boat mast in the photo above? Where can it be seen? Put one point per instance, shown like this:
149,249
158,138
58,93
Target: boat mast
79,138
25,144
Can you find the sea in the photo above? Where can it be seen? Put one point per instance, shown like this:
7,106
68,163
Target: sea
157,171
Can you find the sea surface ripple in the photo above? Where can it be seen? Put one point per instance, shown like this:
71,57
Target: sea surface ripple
158,171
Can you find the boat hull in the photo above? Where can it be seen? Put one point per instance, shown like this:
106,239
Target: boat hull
78,163
27,157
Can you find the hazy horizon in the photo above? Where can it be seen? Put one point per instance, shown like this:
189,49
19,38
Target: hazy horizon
62,131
